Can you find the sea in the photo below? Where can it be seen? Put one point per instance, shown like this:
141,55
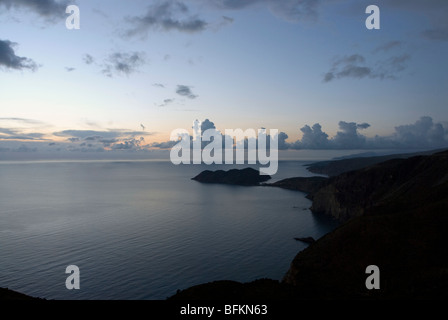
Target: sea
141,230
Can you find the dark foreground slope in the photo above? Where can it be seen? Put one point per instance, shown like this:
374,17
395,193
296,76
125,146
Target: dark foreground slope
7,294
400,225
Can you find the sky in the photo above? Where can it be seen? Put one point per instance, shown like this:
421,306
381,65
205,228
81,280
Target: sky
137,70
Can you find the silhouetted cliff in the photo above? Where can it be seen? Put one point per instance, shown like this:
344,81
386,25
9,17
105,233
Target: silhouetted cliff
396,217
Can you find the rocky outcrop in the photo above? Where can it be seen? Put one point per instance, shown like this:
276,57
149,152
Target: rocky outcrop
243,177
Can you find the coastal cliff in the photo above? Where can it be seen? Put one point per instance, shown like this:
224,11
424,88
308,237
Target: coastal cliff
394,215
399,181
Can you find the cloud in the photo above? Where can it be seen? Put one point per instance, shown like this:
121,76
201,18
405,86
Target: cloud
166,102
130,144
24,120
88,59
92,135
282,144
185,91
290,10
158,85
24,148
354,66
18,134
10,60
163,145
167,16
49,9
438,33
388,46
348,136
423,134
69,69
123,63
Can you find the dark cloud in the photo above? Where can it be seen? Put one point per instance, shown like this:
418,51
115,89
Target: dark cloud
9,60
348,136
166,102
130,144
388,46
88,59
185,91
228,19
123,63
438,33
282,144
166,15
163,145
94,138
16,134
70,69
354,66
159,85
206,125
50,9
108,142
291,10
24,148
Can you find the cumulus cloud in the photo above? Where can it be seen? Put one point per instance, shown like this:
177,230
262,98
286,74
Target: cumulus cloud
313,138
9,59
348,136
423,134
49,9
354,66
185,91
167,16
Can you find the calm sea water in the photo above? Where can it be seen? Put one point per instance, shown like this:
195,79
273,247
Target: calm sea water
143,229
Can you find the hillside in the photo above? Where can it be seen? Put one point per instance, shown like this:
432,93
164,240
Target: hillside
396,217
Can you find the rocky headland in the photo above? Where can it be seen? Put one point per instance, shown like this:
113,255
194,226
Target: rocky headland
242,177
